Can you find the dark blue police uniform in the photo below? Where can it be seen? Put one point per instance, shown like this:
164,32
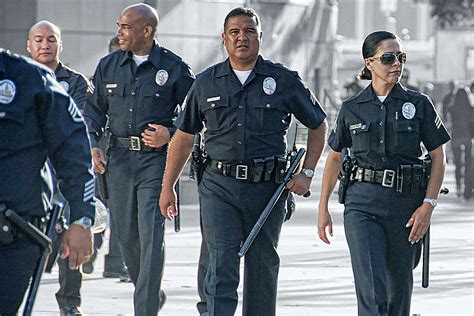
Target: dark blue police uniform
37,120
246,124
382,137
69,294
131,97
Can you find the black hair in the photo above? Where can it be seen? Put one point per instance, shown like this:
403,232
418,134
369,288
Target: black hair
113,43
369,48
251,13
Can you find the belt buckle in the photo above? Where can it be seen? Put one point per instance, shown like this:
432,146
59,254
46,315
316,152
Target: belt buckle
135,144
388,178
241,172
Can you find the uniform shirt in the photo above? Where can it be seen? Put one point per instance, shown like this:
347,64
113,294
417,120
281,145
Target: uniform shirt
131,97
250,120
386,135
39,120
75,84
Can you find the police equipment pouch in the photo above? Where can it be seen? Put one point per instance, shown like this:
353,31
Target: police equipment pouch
269,167
404,179
280,169
6,233
258,169
345,176
416,178
426,170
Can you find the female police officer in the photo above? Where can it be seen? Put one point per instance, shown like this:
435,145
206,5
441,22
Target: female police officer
390,200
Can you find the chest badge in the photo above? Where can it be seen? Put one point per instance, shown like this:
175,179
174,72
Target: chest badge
269,85
408,110
161,77
65,85
7,91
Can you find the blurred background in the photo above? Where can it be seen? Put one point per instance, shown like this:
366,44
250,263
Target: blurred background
321,39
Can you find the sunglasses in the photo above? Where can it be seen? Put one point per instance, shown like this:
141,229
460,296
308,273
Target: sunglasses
389,58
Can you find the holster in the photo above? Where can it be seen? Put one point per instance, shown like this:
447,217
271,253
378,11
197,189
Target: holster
280,169
6,230
345,178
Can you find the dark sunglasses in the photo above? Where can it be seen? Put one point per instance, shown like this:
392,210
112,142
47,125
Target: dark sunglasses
389,58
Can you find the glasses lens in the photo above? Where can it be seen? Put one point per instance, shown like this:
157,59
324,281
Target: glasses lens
387,58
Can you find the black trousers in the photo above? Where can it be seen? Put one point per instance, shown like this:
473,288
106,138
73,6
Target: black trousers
229,209
17,263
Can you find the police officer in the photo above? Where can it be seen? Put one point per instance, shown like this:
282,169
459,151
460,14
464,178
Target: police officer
44,44
137,88
38,120
246,104
388,205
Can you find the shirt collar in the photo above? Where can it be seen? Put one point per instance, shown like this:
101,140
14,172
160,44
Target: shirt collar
397,92
61,71
153,57
224,69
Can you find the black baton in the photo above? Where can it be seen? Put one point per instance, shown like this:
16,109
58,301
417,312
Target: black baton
271,204
177,217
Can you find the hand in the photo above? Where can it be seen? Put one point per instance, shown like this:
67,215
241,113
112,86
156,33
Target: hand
99,160
299,184
324,221
155,136
419,222
168,203
77,245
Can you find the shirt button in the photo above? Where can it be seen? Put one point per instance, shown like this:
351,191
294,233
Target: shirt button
409,128
109,91
239,124
133,93
131,110
157,95
381,107
136,78
268,105
363,126
380,123
239,142
213,105
383,159
241,107
381,141
129,126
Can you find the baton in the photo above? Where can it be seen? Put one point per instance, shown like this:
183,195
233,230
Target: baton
177,217
271,204
425,271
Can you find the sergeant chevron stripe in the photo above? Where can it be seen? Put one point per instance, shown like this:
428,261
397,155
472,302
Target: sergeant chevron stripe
438,122
89,190
74,111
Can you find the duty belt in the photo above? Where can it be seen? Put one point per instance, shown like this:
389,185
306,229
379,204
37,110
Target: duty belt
386,178
407,179
261,169
133,143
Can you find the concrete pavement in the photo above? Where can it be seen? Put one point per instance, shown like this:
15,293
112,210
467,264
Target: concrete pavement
315,278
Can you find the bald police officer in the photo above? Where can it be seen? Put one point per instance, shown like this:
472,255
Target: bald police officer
39,120
138,89
45,44
246,103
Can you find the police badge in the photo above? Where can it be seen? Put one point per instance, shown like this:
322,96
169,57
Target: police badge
269,85
408,110
161,77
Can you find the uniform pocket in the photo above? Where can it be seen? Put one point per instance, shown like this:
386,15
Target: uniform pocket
217,114
407,137
114,92
360,137
269,115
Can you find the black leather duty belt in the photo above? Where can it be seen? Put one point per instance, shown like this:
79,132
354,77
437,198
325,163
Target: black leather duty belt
262,169
407,179
133,143
386,178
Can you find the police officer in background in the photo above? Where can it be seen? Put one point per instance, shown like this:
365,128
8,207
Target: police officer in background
44,44
137,89
246,104
390,200
39,120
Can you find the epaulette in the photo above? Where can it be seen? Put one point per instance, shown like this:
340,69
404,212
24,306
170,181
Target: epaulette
168,53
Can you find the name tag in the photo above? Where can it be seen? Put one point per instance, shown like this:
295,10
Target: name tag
213,99
355,126
111,85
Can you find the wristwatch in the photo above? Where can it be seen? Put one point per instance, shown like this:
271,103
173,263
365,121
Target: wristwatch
433,202
308,172
85,222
